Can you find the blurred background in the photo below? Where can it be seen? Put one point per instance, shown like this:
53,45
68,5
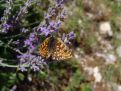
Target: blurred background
96,62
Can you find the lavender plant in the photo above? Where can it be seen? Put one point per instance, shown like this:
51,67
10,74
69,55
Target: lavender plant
26,48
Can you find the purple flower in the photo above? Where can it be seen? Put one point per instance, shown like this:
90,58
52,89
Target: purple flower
52,11
33,61
30,41
27,42
68,37
24,57
71,35
58,24
22,69
35,68
6,27
32,37
47,16
59,3
52,23
31,48
55,25
45,31
52,19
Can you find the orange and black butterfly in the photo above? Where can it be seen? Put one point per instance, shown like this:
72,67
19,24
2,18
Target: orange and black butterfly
55,49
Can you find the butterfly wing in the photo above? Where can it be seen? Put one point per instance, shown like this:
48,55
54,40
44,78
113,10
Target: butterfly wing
44,51
61,51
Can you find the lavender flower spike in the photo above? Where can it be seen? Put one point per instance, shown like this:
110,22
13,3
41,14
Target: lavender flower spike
71,35
45,31
22,69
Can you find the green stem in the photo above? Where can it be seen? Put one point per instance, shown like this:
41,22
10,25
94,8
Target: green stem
7,65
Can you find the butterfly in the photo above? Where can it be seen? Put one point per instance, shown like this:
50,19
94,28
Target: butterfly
55,49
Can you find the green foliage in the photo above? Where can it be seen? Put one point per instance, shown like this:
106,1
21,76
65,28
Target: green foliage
7,80
86,87
116,8
112,73
75,81
42,75
20,76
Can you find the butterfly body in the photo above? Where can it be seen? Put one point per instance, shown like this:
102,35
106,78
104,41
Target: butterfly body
55,49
